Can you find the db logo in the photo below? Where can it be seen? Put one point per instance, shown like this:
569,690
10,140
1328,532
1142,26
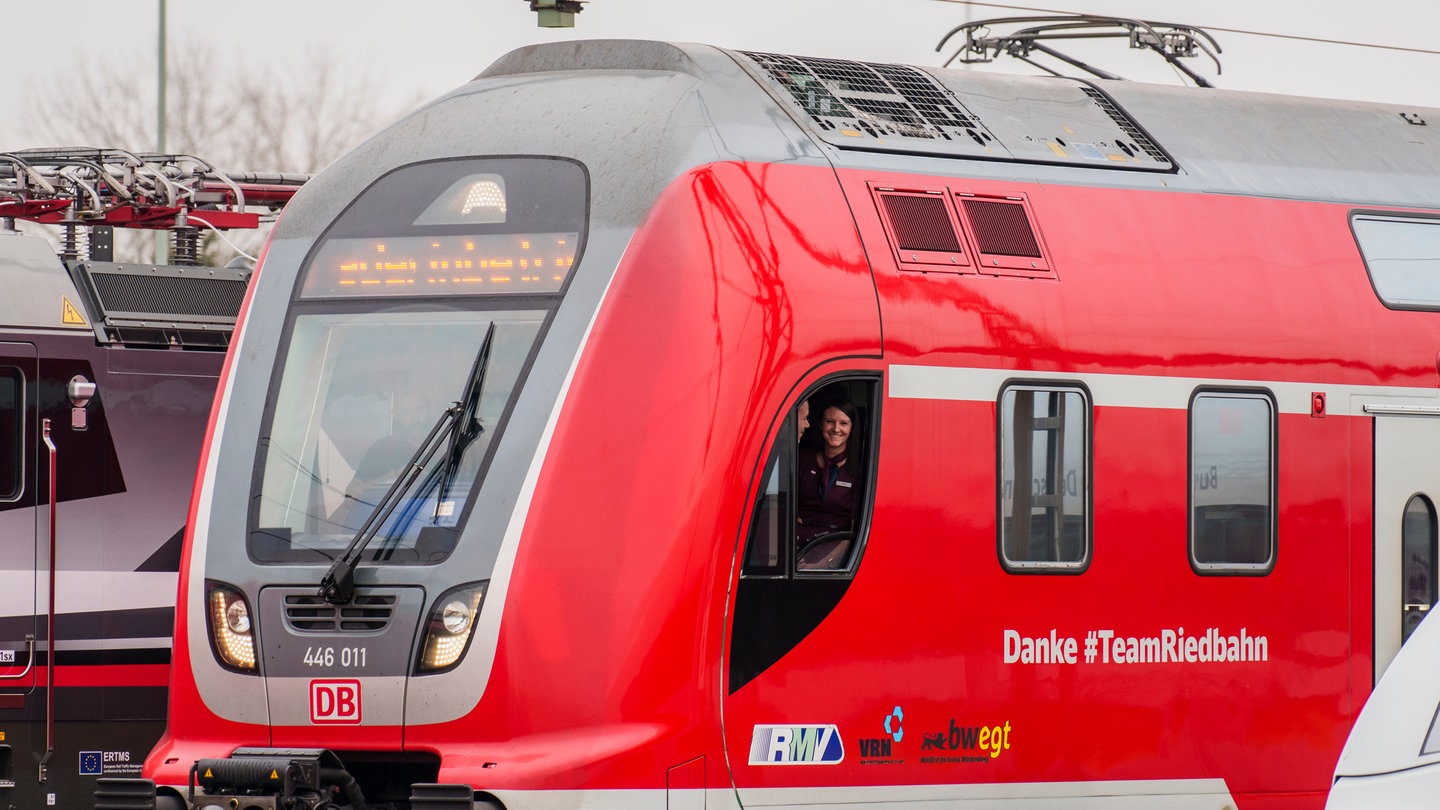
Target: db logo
335,702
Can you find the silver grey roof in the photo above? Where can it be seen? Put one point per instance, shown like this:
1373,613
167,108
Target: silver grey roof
1058,129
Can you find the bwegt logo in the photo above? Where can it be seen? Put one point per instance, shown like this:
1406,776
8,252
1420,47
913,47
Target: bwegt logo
989,741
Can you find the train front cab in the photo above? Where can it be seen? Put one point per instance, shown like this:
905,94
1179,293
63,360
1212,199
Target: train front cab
1392,757
510,508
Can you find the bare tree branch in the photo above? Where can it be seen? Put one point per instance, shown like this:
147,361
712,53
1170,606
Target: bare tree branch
236,115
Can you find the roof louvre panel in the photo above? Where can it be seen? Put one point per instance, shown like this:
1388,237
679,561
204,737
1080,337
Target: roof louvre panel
881,101
951,113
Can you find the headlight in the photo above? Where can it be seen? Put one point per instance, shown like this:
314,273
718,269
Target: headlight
231,635
450,626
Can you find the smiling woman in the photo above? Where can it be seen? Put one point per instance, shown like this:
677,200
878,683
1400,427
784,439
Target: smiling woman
827,486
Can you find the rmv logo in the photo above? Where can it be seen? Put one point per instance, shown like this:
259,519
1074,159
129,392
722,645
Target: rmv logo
796,745
335,702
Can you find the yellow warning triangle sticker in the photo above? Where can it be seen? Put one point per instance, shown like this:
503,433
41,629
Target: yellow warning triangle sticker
208,774
274,774
69,314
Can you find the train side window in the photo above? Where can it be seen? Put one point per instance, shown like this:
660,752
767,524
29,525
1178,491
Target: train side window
794,530
1402,255
12,429
1044,486
770,528
1232,482
1418,542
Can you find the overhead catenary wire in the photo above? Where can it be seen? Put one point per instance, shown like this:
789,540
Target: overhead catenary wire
1241,31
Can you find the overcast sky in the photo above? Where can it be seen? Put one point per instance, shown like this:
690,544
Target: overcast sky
423,48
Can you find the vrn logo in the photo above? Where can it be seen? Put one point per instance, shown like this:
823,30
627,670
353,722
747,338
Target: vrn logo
875,750
796,745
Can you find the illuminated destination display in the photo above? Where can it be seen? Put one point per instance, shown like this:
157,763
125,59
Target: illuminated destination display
491,264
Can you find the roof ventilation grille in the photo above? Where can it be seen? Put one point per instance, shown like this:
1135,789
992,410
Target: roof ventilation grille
882,101
151,296
1123,121
161,304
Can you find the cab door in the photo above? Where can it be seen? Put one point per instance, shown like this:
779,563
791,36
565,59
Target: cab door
22,522
1407,489
790,676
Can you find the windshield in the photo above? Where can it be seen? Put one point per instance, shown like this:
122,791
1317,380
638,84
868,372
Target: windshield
392,312
358,394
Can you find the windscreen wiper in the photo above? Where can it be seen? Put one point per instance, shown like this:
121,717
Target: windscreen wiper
338,584
463,431
467,426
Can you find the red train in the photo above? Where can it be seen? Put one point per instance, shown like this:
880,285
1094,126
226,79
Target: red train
1118,397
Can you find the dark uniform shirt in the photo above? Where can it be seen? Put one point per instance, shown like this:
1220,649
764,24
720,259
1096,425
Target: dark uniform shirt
828,495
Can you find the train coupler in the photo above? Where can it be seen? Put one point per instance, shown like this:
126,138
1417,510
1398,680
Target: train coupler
273,779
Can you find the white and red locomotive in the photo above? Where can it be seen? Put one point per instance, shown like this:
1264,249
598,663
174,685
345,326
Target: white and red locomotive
107,373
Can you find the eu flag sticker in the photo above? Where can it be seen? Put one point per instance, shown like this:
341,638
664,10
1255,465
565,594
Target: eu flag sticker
90,763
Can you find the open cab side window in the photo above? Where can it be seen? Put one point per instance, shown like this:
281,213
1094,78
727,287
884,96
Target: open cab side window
809,524
813,506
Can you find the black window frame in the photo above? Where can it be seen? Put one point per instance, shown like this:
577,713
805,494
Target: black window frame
1228,568
1372,262
784,458
1087,465
1432,544
15,457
